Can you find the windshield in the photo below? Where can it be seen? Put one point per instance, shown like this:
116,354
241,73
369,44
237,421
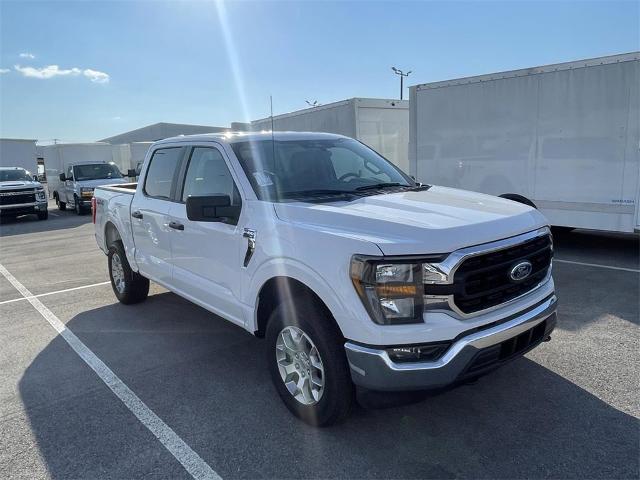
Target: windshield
17,175
96,171
307,167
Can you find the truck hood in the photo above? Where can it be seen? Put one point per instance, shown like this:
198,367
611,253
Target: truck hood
100,182
438,220
12,184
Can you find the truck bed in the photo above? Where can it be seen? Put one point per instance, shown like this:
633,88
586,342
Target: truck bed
129,188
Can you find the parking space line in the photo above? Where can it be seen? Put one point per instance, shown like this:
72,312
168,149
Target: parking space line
190,460
610,267
55,292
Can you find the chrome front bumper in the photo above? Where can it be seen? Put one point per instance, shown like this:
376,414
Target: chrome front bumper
468,356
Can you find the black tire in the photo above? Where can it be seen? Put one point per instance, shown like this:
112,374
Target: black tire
338,392
134,288
62,206
43,215
77,205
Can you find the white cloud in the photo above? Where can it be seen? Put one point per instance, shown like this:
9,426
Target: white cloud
4,70
51,71
96,76
27,55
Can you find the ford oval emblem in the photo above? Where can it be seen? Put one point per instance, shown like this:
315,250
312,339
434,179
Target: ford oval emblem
520,271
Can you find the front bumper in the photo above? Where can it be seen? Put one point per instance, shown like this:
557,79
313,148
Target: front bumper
467,357
23,208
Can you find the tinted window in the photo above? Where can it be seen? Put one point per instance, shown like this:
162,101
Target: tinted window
161,171
96,171
15,175
208,174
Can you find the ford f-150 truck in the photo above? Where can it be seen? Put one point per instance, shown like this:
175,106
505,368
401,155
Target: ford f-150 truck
21,194
353,273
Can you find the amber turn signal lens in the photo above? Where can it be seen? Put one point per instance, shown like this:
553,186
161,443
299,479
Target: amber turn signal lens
396,290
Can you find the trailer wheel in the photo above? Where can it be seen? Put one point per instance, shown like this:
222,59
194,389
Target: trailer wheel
519,198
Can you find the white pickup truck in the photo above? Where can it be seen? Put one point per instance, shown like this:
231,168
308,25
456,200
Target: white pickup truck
353,273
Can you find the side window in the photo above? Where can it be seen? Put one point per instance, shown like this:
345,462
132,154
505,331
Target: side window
208,174
161,171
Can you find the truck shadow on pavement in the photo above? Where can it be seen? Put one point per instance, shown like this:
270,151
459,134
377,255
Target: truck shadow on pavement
30,224
208,381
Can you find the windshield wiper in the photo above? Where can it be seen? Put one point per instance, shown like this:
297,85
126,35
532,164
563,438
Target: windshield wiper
317,193
377,186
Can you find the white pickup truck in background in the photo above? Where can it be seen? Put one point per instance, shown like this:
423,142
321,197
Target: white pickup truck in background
353,273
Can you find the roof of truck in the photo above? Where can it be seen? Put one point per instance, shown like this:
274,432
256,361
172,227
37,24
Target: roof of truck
234,137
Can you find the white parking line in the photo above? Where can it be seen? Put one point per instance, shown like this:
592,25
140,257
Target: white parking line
54,293
190,460
610,267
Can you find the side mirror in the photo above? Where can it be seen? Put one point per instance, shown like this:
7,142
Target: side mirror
212,208
62,177
131,173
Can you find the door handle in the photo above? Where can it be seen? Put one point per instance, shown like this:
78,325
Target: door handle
176,226
250,235
136,214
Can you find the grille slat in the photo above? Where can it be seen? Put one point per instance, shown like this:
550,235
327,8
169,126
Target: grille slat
483,281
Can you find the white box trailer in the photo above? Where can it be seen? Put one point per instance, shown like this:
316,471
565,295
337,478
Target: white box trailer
564,137
15,152
379,123
138,152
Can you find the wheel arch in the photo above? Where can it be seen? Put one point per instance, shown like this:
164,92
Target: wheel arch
111,234
279,288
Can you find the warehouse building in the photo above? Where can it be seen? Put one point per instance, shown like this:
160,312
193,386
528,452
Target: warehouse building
158,131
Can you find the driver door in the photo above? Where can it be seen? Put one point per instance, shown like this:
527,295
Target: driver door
208,255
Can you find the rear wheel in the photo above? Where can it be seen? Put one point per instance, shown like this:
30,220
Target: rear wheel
129,286
61,205
308,364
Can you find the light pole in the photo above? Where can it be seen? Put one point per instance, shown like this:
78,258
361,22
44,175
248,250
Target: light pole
402,75
312,104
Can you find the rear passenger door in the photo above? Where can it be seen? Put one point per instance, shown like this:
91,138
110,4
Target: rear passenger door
208,256
150,214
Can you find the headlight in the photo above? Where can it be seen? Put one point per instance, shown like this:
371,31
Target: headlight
86,192
40,195
392,290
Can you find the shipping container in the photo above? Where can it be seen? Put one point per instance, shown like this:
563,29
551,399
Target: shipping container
563,137
379,123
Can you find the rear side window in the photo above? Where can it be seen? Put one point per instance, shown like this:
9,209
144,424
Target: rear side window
161,171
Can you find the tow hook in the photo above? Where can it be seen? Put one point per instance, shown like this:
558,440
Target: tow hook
547,339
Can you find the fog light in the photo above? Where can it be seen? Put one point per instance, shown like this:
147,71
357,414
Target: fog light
416,353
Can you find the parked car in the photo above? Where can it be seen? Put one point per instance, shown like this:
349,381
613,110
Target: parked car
21,194
353,273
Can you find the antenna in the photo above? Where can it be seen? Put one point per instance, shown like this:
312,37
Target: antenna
273,140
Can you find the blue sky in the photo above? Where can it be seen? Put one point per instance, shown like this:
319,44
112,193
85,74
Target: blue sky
123,65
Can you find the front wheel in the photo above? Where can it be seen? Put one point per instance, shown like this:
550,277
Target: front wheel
308,363
43,215
129,286
77,205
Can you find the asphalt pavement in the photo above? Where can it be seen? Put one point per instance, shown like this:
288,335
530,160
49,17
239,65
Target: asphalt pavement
568,409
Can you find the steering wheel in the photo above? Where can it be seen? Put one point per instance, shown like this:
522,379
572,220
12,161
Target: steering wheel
348,175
